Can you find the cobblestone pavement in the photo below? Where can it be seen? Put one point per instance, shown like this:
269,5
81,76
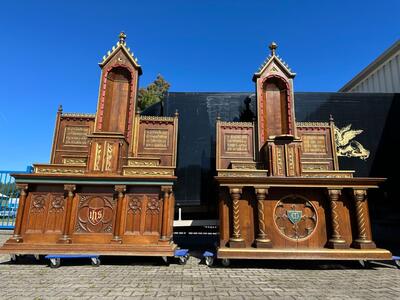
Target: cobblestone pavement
146,278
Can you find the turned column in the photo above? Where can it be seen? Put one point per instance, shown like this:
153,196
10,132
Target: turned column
336,241
362,240
17,238
70,190
120,190
262,240
166,192
236,239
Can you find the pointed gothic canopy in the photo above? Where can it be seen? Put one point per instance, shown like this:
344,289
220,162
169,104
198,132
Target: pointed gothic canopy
274,58
121,46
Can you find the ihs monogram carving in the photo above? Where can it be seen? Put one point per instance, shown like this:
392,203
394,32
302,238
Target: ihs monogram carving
135,204
95,214
38,203
153,205
295,217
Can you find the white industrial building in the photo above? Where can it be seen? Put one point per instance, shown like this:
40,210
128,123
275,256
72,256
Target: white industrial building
380,76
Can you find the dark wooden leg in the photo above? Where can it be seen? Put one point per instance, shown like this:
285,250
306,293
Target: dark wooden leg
336,241
236,240
120,189
262,241
70,189
362,241
17,238
165,213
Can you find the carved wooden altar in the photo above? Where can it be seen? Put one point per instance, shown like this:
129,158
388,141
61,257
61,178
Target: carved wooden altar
281,193
108,187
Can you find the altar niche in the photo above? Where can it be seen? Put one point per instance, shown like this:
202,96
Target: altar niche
108,186
281,193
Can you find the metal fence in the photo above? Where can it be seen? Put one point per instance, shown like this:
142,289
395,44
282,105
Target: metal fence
9,197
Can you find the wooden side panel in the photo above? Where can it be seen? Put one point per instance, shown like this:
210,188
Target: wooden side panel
71,142
157,138
316,148
234,142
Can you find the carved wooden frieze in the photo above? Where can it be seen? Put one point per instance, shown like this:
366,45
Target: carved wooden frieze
95,214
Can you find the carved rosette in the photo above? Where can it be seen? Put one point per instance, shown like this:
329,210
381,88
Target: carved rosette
38,203
134,204
295,217
153,205
57,203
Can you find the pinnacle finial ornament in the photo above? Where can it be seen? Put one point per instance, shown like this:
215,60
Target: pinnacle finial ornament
273,47
122,37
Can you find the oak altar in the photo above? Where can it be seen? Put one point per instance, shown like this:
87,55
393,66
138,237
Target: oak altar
281,193
108,187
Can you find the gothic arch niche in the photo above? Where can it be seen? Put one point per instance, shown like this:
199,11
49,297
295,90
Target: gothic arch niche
276,107
116,100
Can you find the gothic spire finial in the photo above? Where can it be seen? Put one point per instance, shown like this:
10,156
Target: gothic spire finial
273,47
122,37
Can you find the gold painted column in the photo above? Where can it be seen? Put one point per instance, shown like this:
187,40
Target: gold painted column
336,241
362,241
120,189
70,189
262,240
17,238
166,190
236,240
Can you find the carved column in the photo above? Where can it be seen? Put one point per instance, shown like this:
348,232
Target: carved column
70,190
262,241
236,239
336,241
17,238
120,190
166,190
362,241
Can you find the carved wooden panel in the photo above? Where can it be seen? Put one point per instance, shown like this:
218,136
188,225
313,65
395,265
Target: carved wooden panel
143,214
234,142
46,213
95,213
316,148
157,137
71,136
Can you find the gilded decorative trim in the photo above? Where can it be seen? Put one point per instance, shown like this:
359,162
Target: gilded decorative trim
74,161
332,174
148,172
110,148
157,119
97,157
144,163
243,173
78,115
236,124
58,170
312,124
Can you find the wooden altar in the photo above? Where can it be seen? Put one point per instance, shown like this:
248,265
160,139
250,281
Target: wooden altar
108,187
281,193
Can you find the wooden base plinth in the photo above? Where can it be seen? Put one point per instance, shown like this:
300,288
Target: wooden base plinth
116,240
337,244
322,254
64,240
100,249
237,243
263,244
362,244
16,239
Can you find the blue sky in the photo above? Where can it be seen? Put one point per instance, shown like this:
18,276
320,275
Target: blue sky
50,52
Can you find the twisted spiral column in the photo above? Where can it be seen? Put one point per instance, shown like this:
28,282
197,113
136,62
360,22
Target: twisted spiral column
336,240
362,240
262,237
236,237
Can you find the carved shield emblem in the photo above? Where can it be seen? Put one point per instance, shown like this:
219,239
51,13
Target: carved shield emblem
95,215
294,216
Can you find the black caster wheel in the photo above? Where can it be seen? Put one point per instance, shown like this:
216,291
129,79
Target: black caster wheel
209,260
55,263
183,259
226,262
397,263
166,260
96,262
14,258
364,263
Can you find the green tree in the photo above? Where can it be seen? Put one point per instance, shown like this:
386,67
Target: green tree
153,93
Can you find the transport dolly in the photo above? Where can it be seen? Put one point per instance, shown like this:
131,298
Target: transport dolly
208,258
396,260
55,259
181,254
